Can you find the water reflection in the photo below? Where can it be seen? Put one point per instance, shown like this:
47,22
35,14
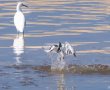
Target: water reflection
18,48
61,83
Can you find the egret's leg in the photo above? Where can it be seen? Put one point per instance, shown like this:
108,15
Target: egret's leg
23,33
17,33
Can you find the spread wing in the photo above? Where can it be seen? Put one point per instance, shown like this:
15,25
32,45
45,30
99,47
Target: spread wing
68,49
50,49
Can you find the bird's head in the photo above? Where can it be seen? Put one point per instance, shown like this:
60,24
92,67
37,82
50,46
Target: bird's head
20,4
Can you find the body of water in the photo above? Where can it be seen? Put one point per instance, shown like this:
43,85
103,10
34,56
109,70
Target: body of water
85,24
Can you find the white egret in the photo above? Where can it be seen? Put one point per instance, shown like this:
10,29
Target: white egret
19,18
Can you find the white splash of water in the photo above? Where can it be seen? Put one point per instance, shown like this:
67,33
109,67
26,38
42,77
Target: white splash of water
57,63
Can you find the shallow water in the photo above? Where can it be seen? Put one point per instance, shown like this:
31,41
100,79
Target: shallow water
84,23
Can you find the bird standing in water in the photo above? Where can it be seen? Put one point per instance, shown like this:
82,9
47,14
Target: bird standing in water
19,18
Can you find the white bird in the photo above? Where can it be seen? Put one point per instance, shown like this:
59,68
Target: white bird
62,50
19,18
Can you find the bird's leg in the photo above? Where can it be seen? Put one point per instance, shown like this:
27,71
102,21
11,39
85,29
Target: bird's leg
61,55
67,52
17,33
74,53
23,33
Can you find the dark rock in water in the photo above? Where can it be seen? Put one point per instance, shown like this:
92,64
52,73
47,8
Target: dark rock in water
74,68
78,69
42,68
87,69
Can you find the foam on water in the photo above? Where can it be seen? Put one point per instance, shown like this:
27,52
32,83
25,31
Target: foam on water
57,63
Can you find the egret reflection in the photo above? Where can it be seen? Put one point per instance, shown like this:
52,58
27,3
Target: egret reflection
18,47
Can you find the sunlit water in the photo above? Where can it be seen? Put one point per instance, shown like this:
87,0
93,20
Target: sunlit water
83,23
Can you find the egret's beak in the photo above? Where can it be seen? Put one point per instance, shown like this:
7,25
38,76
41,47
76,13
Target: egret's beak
24,5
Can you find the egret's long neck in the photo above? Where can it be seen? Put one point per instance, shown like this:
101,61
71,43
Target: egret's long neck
18,8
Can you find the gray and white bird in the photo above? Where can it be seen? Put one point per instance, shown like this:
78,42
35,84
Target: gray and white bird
19,18
61,49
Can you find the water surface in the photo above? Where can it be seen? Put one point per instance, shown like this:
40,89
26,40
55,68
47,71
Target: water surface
83,23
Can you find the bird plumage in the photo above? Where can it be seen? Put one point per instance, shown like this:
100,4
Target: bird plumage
62,49
19,18
68,49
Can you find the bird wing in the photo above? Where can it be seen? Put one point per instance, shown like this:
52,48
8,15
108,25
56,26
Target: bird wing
49,49
19,21
68,49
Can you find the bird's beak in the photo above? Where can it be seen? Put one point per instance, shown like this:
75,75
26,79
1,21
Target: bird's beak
24,5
